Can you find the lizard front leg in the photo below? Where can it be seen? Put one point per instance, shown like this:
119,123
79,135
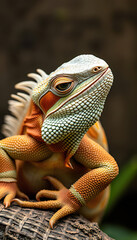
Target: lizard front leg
17,147
103,170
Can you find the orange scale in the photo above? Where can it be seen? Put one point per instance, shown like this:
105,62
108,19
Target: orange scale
48,100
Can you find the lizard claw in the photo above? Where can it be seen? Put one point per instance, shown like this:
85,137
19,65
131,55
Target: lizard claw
18,201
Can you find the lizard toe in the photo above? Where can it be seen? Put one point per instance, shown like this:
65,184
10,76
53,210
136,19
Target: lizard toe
56,183
64,211
8,199
42,204
22,195
51,194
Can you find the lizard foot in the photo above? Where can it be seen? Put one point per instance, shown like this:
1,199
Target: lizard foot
61,200
9,190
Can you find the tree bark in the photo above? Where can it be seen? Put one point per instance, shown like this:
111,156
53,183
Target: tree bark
26,224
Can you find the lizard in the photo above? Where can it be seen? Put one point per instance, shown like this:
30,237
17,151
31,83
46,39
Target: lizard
55,146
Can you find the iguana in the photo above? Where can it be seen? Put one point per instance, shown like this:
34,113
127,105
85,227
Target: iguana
58,143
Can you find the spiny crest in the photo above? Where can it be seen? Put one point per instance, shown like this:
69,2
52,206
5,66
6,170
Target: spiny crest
19,104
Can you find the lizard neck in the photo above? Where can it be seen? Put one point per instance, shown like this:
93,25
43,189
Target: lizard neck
64,129
63,133
68,146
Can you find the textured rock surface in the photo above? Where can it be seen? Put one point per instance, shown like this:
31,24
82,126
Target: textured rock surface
26,224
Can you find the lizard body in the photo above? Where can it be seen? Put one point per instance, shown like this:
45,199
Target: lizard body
57,137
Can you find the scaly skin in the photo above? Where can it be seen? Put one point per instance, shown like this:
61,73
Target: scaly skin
60,126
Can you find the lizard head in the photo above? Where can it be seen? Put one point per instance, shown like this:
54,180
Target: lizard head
72,99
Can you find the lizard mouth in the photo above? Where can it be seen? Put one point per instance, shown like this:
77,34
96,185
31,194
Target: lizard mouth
85,89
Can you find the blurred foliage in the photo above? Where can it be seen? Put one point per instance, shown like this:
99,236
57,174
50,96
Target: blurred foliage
118,187
119,232
121,184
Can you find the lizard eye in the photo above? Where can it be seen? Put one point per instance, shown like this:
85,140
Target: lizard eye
96,69
63,85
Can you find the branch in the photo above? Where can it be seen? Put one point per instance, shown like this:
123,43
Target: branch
25,223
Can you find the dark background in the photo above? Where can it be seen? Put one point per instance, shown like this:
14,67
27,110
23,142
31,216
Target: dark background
44,34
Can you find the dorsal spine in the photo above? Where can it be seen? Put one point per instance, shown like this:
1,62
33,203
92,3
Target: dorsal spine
19,104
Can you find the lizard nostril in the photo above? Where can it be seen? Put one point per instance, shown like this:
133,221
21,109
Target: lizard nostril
96,69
